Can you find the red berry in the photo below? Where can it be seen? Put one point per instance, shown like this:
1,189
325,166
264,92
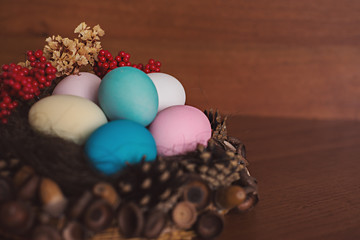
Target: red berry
108,55
29,53
5,67
42,79
38,53
42,59
101,52
102,59
49,78
118,58
32,58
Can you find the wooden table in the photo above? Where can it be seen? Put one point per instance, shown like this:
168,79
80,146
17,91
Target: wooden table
308,173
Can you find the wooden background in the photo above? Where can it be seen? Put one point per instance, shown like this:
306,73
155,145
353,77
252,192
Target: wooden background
286,58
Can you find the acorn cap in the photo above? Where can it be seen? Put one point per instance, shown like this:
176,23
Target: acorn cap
108,193
184,215
198,193
250,201
130,220
73,231
155,222
230,197
5,190
209,225
16,216
79,206
22,175
45,232
29,188
98,215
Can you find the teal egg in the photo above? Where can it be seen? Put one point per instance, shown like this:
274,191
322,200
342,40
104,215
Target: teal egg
113,145
128,93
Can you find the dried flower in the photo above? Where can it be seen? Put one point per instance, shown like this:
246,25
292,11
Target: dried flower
68,55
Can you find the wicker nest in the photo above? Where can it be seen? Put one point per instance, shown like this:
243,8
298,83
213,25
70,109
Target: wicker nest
48,191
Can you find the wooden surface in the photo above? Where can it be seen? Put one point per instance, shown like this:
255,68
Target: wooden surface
267,58
309,182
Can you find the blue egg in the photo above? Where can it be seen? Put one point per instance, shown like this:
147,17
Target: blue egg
128,93
118,142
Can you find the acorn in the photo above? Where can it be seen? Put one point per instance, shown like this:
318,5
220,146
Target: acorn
98,216
29,188
77,210
230,197
16,216
108,193
45,232
5,189
73,231
155,222
52,197
130,220
22,175
248,204
198,193
184,215
209,225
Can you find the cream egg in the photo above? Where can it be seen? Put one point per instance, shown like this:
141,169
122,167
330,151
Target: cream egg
70,117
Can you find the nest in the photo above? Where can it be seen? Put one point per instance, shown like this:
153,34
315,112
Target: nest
48,190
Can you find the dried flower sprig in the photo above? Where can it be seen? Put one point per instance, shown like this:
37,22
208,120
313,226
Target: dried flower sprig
68,56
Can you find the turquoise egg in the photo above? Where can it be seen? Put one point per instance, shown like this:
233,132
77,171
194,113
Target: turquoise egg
110,147
128,93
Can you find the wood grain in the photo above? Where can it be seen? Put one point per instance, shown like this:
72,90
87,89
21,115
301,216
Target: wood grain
268,58
308,173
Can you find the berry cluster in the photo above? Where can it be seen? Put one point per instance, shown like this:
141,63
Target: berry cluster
22,83
106,62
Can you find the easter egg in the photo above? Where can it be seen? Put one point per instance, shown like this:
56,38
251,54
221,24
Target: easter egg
170,90
119,142
178,129
84,85
70,117
128,93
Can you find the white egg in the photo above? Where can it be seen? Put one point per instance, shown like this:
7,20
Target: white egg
170,90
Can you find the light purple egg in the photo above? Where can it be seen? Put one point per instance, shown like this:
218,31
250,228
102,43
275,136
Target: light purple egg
84,85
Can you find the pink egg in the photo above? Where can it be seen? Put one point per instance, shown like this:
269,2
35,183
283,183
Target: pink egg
178,129
84,85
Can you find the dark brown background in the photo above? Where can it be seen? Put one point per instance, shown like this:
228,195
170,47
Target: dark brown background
270,59
267,58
